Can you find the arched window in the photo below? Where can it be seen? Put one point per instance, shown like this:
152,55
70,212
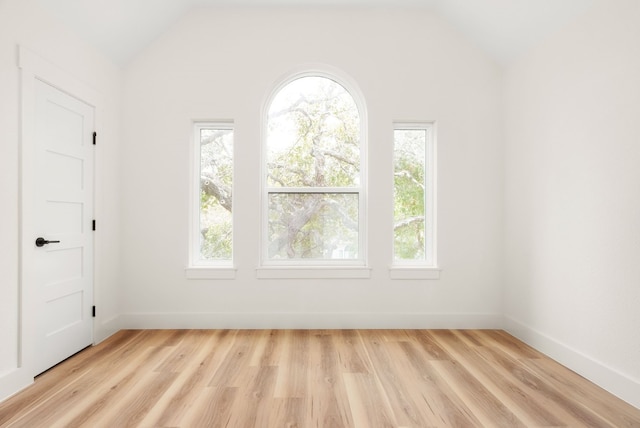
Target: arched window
313,174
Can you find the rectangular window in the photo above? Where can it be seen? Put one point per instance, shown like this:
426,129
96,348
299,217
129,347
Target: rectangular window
212,221
414,195
313,225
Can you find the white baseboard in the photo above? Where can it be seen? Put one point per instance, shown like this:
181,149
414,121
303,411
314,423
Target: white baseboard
13,382
617,383
107,328
310,321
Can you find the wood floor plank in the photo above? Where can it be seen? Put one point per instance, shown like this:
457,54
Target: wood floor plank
198,365
352,356
327,401
487,408
193,382
293,382
485,405
508,344
235,361
440,401
390,374
505,388
368,403
254,403
417,408
89,382
532,386
106,401
571,386
288,413
32,398
313,378
430,346
189,342
140,400
267,350
213,408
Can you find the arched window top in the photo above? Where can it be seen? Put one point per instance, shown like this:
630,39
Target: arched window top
314,134
320,72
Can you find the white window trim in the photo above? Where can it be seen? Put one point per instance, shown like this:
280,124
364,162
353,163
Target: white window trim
320,269
197,268
417,269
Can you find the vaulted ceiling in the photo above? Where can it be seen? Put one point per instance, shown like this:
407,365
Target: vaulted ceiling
503,28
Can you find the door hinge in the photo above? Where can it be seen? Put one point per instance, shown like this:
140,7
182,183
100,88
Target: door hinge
93,225
93,311
95,134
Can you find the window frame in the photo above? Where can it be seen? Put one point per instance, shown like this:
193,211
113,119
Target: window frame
427,268
198,268
306,268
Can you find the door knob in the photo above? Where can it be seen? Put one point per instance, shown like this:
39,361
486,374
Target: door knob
41,242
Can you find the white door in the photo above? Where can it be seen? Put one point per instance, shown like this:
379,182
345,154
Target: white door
61,264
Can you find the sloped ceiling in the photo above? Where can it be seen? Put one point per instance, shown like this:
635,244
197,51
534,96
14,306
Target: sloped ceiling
503,28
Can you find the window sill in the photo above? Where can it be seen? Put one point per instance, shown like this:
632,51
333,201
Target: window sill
210,272
320,272
410,272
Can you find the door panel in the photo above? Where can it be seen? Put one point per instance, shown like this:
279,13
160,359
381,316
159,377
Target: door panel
63,211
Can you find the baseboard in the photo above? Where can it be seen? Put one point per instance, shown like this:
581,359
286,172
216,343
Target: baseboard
107,328
13,382
310,320
617,383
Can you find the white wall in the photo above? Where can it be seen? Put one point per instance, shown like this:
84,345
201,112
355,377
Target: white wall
220,64
572,262
23,23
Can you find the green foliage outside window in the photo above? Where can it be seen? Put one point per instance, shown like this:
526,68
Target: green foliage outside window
409,196
216,175
313,172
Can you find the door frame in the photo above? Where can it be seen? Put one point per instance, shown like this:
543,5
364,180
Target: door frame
35,68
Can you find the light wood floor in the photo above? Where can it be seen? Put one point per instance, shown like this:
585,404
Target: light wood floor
313,378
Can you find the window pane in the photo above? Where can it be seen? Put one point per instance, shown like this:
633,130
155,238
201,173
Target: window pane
216,174
320,226
409,194
313,136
